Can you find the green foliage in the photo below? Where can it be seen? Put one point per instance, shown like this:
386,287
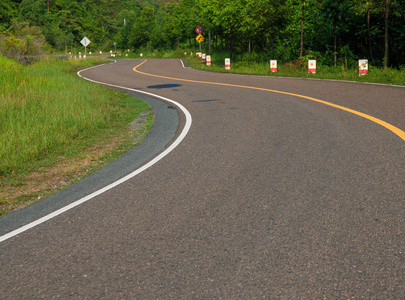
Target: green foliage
8,10
340,32
22,42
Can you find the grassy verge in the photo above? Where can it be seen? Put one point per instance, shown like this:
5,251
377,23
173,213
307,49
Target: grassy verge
285,69
56,128
299,69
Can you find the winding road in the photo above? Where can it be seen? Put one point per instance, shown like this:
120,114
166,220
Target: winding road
271,188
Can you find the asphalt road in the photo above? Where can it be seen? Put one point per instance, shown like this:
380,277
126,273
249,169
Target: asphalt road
269,196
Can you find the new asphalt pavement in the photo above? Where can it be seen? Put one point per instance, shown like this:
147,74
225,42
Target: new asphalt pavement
282,188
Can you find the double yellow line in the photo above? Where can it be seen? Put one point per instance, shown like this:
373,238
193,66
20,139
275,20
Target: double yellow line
390,127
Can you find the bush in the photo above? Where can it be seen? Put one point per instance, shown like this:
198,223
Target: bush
23,43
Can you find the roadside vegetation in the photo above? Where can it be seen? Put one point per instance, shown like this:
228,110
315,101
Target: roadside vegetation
296,68
56,128
299,69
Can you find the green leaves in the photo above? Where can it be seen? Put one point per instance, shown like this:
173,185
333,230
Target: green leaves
268,28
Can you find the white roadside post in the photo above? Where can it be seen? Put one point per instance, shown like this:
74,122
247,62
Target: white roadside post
363,67
203,58
227,63
273,65
208,60
312,66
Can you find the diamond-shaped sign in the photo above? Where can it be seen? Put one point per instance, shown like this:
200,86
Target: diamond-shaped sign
200,38
85,41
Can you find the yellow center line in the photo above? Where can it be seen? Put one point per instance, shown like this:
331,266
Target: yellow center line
390,127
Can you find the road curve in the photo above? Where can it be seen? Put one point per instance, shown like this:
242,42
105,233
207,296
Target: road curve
270,196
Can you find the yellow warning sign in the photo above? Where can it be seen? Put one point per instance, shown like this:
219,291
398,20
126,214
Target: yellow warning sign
200,38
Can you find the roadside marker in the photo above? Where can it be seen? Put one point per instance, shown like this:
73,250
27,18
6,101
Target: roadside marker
273,65
363,67
312,66
227,63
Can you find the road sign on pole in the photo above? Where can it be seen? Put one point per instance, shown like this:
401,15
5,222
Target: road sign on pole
85,42
199,30
200,38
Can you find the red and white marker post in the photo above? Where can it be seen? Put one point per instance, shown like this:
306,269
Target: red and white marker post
312,66
273,65
208,60
227,63
363,67
204,58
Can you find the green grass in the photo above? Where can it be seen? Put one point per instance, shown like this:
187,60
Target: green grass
299,69
48,114
46,108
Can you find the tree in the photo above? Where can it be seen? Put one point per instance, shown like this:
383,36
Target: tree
144,25
338,14
386,45
8,11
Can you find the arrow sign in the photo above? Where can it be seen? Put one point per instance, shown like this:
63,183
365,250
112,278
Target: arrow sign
85,41
200,38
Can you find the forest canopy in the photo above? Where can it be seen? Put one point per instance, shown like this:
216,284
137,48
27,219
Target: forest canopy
334,32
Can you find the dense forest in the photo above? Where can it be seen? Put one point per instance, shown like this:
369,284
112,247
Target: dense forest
334,32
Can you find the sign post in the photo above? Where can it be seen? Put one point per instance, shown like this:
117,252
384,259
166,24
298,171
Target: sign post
200,39
85,42
200,31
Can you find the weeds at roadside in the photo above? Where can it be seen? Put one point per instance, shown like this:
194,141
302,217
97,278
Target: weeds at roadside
57,128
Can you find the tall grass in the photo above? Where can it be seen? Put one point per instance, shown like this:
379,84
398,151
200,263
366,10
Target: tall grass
45,109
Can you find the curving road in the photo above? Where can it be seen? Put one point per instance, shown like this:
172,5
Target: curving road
271,195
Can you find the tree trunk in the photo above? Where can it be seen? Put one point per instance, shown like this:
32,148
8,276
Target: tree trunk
369,35
271,48
249,49
386,49
209,41
302,29
241,47
231,46
334,45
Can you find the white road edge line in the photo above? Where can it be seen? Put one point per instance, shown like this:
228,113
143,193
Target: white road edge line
179,139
